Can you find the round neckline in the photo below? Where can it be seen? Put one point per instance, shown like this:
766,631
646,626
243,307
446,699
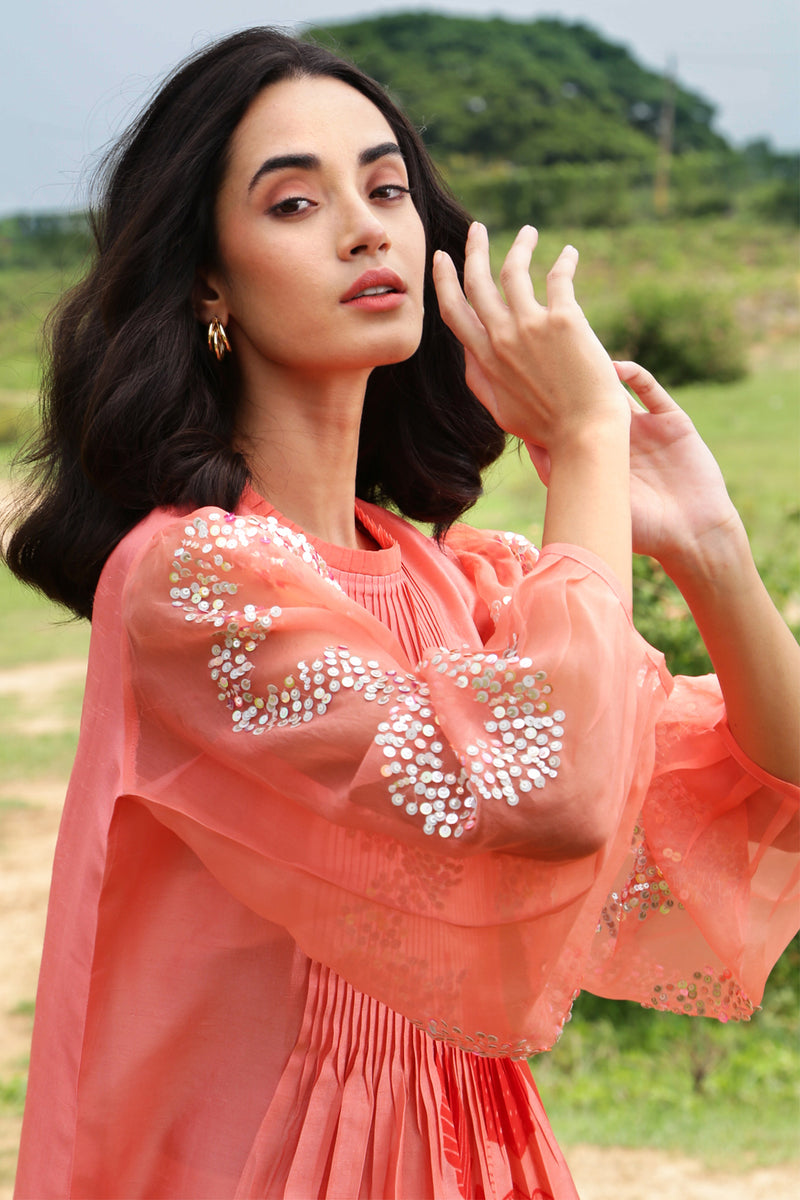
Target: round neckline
385,560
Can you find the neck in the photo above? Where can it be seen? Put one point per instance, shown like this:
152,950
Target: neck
300,439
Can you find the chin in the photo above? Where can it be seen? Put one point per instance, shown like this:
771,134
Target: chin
400,349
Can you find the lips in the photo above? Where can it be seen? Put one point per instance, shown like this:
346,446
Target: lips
386,281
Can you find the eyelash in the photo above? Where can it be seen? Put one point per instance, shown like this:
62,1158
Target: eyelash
279,209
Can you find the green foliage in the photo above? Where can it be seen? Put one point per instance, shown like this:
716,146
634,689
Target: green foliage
774,200
12,1094
528,92
681,335
547,122
56,241
27,294
34,630
725,1093
613,194
17,419
663,619
565,193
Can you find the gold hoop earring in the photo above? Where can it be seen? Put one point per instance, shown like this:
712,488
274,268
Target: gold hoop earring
218,339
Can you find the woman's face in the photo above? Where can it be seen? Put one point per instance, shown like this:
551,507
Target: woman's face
321,252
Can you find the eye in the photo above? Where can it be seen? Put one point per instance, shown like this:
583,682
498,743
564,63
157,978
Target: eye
389,191
291,206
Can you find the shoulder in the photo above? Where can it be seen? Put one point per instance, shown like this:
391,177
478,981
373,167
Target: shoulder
506,556
189,554
461,542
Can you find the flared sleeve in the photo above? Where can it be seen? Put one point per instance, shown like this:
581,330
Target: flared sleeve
709,894
441,833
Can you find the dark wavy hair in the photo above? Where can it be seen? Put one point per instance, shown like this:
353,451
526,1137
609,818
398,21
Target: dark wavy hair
138,414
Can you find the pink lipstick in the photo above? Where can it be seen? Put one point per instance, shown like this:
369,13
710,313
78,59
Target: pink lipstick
376,291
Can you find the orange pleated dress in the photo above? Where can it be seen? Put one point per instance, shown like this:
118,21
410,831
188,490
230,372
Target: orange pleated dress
299,942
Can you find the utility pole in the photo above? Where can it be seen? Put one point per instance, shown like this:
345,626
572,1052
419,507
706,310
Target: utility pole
666,131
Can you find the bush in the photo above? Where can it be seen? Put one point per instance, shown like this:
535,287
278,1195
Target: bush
584,195
776,200
682,336
61,240
17,421
663,619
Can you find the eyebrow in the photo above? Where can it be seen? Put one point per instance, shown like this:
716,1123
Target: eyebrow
311,162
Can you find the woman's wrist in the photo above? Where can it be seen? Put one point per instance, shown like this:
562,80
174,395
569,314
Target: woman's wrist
719,559
588,438
588,498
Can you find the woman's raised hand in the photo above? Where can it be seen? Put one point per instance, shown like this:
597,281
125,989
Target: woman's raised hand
679,504
539,369
544,376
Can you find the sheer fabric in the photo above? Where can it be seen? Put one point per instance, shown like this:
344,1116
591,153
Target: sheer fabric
301,920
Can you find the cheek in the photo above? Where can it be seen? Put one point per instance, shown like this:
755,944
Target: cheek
420,247
269,283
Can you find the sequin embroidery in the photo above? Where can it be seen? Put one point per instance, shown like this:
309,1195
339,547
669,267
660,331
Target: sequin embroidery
525,553
199,587
522,742
520,751
645,891
488,1045
707,992
198,559
303,694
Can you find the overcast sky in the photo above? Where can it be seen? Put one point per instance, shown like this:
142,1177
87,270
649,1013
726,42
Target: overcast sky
74,71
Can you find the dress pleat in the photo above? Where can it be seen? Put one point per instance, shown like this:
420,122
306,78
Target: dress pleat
370,1108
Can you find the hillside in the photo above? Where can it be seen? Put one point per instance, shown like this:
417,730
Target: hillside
527,92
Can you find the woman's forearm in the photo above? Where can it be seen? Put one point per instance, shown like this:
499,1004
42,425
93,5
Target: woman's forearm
588,496
755,656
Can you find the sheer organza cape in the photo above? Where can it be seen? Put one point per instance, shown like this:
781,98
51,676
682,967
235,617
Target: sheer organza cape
309,782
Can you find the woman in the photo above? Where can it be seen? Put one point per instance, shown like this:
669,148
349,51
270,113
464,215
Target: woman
355,812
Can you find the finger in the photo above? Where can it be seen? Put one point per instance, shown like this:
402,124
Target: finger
636,408
515,275
479,383
479,286
560,289
453,305
652,395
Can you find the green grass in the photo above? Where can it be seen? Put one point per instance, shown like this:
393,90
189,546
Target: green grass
753,429
33,629
12,1094
47,755
13,1085
43,723
752,265
26,297
633,1084
25,1008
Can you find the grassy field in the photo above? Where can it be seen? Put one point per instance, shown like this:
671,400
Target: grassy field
753,428
729,1095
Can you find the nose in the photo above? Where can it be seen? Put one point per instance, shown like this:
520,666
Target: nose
362,231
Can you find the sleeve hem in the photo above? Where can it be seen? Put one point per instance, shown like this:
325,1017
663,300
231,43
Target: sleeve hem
782,786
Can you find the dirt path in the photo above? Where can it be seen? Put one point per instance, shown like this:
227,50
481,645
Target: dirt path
28,827
29,815
614,1174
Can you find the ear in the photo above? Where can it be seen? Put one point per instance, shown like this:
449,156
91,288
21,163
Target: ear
208,297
